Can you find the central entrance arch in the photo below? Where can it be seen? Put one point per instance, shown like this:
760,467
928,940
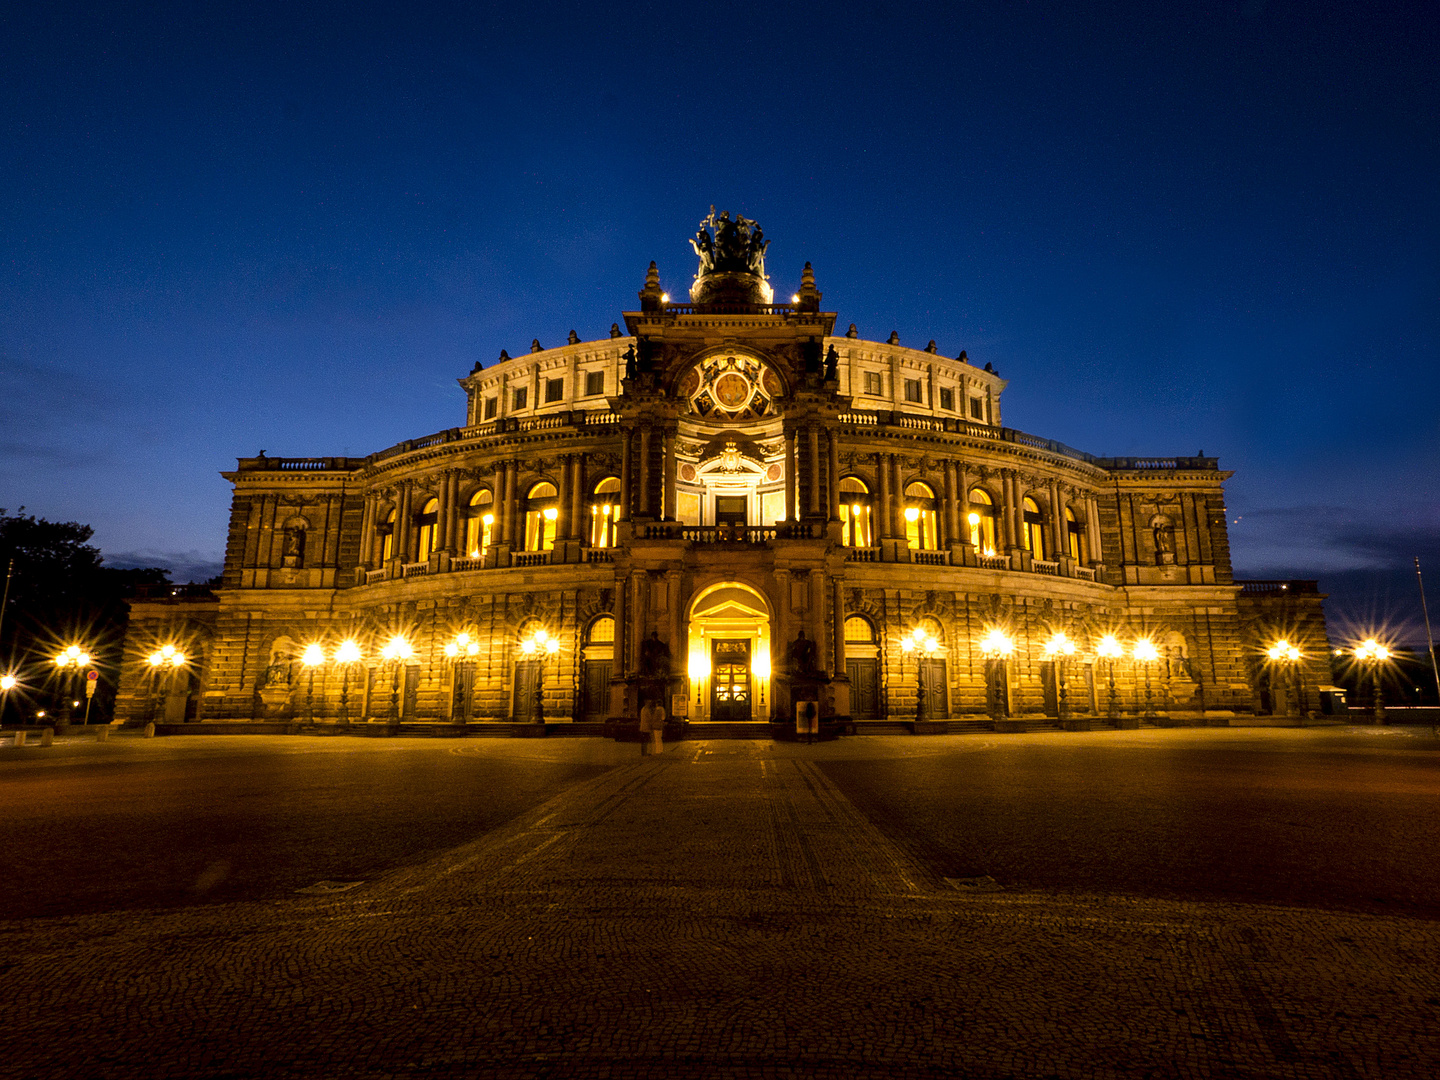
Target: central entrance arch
729,654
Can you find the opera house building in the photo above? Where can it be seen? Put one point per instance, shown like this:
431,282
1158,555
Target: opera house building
726,509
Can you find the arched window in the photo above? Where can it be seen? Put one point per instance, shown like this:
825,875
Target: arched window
855,508
858,631
541,510
479,523
1072,534
387,537
427,521
604,509
602,631
920,518
1033,535
982,521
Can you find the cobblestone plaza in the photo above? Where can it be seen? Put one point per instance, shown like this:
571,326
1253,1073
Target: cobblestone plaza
727,910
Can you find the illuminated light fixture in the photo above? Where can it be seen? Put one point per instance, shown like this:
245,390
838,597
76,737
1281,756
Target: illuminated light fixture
1283,650
996,643
168,656
1109,647
1144,650
699,665
664,298
912,513
918,639
762,662
7,682
73,656
1372,650
397,648
347,653
463,645
974,519
795,299
312,655
855,509
540,643
1059,645
551,513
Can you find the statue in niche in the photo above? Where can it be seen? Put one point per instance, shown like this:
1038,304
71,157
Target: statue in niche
1164,530
292,551
655,658
631,367
801,657
832,365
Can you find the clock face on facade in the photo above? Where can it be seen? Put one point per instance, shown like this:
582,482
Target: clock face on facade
731,387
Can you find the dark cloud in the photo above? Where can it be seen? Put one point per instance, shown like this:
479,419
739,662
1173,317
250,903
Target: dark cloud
183,565
1338,537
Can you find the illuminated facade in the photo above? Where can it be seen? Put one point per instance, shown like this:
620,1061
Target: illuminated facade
693,493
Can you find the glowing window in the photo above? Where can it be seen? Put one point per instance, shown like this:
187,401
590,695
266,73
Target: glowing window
1032,535
858,631
387,537
856,509
981,521
542,511
604,511
920,531
602,631
1072,533
479,523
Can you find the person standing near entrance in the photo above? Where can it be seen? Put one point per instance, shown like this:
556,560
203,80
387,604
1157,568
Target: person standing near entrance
652,724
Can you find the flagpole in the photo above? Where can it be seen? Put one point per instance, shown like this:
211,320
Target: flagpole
1429,640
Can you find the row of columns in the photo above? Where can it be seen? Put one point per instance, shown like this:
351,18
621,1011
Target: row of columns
817,453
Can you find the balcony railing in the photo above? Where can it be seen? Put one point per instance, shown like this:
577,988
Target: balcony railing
372,576
993,562
414,569
929,558
1043,567
599,555
468,562
1086,573
531,558
862,554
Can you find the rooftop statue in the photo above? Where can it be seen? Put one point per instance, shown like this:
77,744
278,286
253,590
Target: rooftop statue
737,246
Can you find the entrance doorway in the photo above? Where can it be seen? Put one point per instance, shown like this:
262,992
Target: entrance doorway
730,680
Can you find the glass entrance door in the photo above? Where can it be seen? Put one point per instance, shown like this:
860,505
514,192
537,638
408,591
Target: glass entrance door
730,680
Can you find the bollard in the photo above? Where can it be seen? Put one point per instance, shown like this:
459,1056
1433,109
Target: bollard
150,730
102,733
19,738
47,737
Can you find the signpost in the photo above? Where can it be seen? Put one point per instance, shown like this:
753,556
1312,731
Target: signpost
92,677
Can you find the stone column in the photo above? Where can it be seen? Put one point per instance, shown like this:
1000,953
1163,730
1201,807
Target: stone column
780,631
499,508
897,499
1092,528
626,473
819,628
952,532
883,507
645,510
814,448
442,511
452,526
1011,509
839,624
404,541
790,463
577,498
367,531
670,469
622,626
834,476
516,528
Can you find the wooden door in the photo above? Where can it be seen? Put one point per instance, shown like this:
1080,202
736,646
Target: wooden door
864,688
597,689
527,678
730,680
936,703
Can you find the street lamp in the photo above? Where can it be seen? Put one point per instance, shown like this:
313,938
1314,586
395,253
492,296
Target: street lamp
1282,654
396,651
461,649
1145,652
346,653
70,662
1056,650
920,641
163,662
8,682
1372,653
311,658
996,647
536,647
1108,650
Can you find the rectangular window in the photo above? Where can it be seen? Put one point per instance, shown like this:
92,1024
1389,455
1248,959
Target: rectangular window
594,383
872,383
554,390
977,409
520,397
912,390
947,399
491,405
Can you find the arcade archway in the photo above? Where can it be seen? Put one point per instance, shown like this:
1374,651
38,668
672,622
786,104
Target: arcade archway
729,654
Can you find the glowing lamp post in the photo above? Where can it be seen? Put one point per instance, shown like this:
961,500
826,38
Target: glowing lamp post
920,642
537,647
346,653
996,647
1282,655
1371,653
1145,653
69,663
698,668
8,682
310,659
164,662
1056,650
1109,649
395,653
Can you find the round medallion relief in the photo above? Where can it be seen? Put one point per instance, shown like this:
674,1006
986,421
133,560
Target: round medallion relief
771,382
732,390
687,473
773,473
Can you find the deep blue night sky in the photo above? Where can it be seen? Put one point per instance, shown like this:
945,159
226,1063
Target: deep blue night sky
293,228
